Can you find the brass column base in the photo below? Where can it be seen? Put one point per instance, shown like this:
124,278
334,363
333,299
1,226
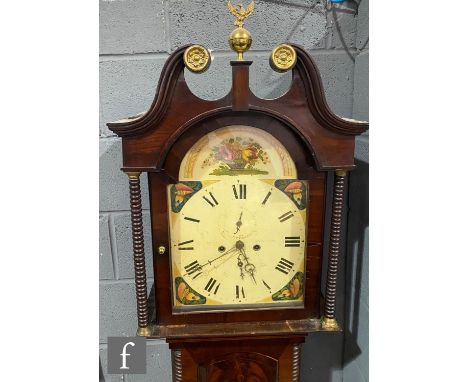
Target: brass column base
145,332
330,324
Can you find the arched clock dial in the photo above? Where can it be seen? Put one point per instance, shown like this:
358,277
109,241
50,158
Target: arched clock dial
237,242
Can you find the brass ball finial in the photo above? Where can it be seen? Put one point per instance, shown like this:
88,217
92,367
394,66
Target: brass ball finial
240,41
240,38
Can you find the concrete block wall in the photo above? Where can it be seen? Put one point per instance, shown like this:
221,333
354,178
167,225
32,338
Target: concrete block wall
136,37
356,331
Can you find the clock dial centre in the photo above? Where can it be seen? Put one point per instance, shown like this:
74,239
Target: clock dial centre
239,245
242,221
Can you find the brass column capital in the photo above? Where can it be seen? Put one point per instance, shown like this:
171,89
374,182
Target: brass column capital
133,174
145,332
340,172
330,324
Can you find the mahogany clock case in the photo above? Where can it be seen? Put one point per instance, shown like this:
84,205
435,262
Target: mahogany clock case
301,120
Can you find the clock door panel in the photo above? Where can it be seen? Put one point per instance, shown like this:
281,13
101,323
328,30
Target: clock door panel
158,183
246,359
240,367
188,156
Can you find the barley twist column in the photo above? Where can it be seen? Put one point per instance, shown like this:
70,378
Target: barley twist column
177,365
296,361
139,254
329,321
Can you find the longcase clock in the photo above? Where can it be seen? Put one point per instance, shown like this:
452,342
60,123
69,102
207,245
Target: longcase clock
237,191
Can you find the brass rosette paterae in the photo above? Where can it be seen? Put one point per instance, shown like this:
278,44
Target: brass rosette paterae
197,59
283,58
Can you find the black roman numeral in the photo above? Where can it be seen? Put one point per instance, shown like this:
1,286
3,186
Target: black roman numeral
286,216
266,197
242,194
239,291
192,268
211,283
284,266
182,248
292,241
213,202
264,283
192,219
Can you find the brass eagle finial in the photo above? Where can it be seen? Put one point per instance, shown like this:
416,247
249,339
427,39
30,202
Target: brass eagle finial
240,39
240,13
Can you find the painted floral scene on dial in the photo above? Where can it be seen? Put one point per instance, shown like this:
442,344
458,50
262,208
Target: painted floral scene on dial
237,156
237,151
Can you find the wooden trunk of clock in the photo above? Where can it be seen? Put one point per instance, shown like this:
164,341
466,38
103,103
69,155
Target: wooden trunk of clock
237,359
237,344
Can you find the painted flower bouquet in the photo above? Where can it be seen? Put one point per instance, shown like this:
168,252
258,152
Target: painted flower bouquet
236,155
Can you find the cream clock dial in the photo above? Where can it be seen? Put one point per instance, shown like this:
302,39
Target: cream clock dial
238,242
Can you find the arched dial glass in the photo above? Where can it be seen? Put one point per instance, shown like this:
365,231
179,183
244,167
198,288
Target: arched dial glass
237,243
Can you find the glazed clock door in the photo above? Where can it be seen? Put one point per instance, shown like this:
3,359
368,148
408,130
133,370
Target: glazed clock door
237,222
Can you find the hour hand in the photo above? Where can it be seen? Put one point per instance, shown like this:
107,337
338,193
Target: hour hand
239,223
249,267
240,264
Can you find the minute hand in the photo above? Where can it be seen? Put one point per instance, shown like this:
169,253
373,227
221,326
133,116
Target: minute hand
199,268
216,258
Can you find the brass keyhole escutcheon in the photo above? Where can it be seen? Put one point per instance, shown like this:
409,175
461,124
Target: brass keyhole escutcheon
162,249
